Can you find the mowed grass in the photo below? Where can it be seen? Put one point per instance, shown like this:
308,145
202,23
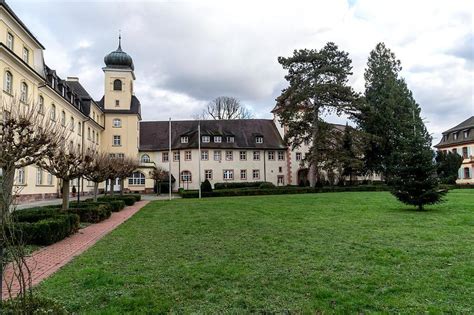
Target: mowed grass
332,252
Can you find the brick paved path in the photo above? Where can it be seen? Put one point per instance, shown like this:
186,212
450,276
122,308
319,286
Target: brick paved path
48,260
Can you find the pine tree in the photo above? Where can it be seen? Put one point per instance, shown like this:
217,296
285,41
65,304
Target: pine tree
317,84
448,165
414,179
349,155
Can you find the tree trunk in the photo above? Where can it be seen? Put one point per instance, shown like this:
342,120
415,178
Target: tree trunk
313,169
112,187
65,195
96,191
122,181
158,191
6,198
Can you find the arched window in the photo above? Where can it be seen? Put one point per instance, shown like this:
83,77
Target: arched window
8,83
117,123
146,158
63,118
186,176
72,124
117,85
24,92
41,105
138,178
53,112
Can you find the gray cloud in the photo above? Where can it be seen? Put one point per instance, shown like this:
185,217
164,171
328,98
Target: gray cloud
187,53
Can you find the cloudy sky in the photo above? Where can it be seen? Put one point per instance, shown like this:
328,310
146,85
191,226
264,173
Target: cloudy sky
187,53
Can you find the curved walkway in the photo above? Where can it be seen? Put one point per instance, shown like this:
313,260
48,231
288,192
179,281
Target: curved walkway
46,261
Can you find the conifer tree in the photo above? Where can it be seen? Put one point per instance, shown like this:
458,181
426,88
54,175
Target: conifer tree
448,165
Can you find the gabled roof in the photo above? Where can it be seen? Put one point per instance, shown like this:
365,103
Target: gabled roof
448,136
154,134
135,107
10,11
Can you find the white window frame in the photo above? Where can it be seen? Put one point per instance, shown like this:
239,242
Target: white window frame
217,139
188,155
217,155
271,155
298,156
117,140
39,176
165,157
21,176
184,139
259,139
206,139
256,155
8,82
23,92
117,123
204,155
228,174
145,158
230,139
10,41
176,156
208,174
281,155
244,155
137,179
26,55
243,174
186,176
255,174
229,155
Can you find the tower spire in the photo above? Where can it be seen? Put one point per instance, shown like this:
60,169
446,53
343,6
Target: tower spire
120,40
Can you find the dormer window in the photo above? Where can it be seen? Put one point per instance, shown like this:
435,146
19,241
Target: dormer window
146,158
117,85
455,136
230,139
206,139
184,139
217,139
63,90
466,134
258,139
53,82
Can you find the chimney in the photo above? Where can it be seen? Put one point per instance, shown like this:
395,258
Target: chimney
72,79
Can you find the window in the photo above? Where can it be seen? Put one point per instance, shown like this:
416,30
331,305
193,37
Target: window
280,169
49,179
229,156
53,112
117,141
165,157
298,156
217,139
10,41
97,137
63,118
217,155
120,156
281,180
187,155
117,103
138,178
206,139
281,155
258,139
204,155
256,174
230,139
243,155
466,134
208,174
20,179
243,174
467,174
39,176
23,92
117,123
256,155
41,105
176,156
146,158
306,141
184,139
455,150
186,176
93,135
271,155
26,55
117,85
79,128
464,153
8,83
455,136
228,174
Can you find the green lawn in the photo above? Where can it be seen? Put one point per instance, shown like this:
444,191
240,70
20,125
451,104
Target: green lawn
333,252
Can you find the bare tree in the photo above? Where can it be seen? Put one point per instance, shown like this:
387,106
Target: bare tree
124,168
26,137
225,108
99,171
67,164
160,176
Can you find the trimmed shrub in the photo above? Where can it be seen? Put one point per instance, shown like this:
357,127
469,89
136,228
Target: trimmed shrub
137,197
129,200
116,205
218,186
47,230
92,213
206,186
266,185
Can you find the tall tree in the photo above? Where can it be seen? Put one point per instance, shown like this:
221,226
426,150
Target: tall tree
413,178
388,111
99,170
318,84
67,164
124,168
160,175
225,108
448,165
350,154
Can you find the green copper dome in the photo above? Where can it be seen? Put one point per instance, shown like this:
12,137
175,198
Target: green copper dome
119,58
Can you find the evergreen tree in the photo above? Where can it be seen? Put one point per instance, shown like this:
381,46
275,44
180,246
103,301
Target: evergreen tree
413,179
206,186
349,154
387,111
317,84
448,165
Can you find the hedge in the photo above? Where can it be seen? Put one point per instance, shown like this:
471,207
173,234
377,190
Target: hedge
92,213
45,231
128,199
281,190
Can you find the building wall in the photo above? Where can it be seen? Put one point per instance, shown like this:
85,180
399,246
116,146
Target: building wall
467,163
